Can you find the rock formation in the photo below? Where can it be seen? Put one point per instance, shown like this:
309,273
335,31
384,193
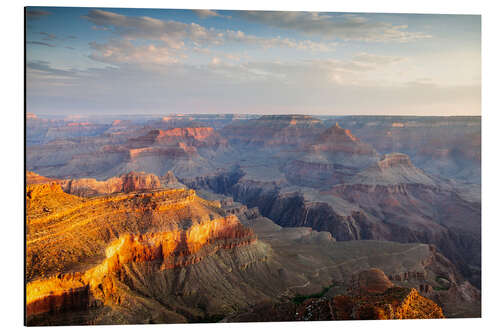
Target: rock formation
378,300
126,183
108,187
392,169
78,248
276,130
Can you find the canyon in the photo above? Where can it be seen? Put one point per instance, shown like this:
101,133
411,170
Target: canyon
197,218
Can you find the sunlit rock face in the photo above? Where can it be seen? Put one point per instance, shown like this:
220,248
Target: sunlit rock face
130,182
166,250
371,297
197,137
78,249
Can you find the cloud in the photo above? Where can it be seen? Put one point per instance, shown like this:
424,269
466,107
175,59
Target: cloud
255,87
171,33
240,36
35,14
48,36
43,69
204,13
40,43
180,36
124,51
376,59
345,27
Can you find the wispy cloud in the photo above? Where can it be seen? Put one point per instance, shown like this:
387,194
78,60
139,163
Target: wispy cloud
377,59
48,36
44,70
204,13
119,51
345,27
40,43
35,14
178,35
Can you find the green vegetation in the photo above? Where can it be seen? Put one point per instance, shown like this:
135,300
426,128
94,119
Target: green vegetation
299,299
442,281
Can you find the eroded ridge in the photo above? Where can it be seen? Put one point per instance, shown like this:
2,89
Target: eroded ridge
169,229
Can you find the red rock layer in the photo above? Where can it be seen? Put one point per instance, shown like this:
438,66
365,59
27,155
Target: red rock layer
67,235
191,136
395,159
337,139
168,250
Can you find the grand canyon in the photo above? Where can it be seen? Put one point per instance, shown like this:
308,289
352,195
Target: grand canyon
197,218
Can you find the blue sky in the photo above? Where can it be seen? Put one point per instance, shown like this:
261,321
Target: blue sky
125,61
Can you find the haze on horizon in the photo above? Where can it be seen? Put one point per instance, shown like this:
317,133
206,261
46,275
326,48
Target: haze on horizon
155,61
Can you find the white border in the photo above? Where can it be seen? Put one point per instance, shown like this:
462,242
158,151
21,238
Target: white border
11,219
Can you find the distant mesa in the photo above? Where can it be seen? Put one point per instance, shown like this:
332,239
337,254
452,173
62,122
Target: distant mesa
337,133
341,140
194,136
395,160
392,169
273,130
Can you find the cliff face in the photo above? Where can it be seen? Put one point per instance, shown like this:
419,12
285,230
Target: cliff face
170,256
34,178
403,212
78,249
130,182
191,136
341,140
392,169
377,300
444,146
273,131
126,183
317,173
165,250
332,157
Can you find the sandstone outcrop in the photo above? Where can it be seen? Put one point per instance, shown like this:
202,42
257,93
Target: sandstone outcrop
378,300
79,249
126,183
196,137
130,182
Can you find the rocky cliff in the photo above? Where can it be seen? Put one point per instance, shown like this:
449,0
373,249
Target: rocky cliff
273,131
374,299
126,183
404,212
126,258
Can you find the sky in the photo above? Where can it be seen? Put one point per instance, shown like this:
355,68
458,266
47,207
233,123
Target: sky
158,61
